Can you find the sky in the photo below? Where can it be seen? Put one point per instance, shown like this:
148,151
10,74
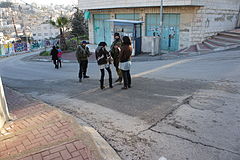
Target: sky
66,2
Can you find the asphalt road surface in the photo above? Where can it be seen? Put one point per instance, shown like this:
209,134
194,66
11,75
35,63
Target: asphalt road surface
183,109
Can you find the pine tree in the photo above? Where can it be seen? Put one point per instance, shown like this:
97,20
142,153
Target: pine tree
79,26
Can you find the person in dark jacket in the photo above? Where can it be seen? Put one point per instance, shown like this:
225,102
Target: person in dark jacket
54,53
114,50
125,61
82,55
103,59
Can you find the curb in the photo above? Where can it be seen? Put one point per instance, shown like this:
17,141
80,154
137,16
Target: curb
105,150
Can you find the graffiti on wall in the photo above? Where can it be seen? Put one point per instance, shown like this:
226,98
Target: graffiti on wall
20,47
1,49
8,48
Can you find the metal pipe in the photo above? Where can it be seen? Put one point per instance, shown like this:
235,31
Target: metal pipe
161,24
161,14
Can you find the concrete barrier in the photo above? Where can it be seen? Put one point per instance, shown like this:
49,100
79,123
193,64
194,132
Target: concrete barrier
4,114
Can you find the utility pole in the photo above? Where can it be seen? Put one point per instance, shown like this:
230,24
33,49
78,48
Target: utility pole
161,24
14,25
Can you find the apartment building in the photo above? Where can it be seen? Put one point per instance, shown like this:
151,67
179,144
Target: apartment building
44,31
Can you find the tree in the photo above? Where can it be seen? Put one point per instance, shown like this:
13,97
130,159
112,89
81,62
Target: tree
79,26
61,23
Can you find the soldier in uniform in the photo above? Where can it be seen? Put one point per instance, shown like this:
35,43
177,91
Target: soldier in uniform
82,55
115,51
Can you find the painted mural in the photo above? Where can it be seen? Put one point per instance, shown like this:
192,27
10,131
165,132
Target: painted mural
20,47
8,48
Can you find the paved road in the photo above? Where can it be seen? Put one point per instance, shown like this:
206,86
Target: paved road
177,109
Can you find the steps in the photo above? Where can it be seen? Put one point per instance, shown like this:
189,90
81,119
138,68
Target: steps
221,41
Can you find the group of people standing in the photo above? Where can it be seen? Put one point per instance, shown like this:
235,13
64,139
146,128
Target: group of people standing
119,55
56,54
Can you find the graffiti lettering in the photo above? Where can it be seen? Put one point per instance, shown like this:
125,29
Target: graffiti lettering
20,47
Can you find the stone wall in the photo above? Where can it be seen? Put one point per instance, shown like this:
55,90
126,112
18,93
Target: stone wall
214,17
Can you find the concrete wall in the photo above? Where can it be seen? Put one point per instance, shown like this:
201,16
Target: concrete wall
96,4
4,115
215,17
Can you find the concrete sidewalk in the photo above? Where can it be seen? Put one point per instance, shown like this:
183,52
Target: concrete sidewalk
42,132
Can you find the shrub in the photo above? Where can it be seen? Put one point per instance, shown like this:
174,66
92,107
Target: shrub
44,53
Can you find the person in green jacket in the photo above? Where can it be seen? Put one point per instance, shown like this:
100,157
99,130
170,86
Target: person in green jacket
82,55
115,51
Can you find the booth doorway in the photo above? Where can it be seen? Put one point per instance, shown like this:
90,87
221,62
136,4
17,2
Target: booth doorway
132,29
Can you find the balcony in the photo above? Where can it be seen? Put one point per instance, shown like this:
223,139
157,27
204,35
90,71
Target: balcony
105,4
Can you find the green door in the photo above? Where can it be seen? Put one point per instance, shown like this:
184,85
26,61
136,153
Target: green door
102,30
170,35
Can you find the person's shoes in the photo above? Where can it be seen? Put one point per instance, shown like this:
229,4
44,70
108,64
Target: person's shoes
80,80
86,77
102,87
129,86
110,86
124,88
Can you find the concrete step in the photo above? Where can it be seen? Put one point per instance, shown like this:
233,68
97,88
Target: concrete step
191,49
219,42
201,47
232,32
215,45
210,45
227,39
230,35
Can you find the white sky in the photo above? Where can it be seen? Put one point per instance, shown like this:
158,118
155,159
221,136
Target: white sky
66,2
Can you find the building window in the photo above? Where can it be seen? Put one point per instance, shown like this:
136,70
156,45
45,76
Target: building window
45,34
34,34
39,34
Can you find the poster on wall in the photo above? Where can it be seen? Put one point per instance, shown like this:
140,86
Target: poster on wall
20,47
8,48
1,50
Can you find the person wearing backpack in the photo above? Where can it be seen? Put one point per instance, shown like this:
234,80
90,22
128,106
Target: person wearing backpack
82,55
59,61
114,50
104,60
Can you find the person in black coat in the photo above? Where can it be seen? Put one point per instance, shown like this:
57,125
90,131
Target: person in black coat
104,60
54,53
